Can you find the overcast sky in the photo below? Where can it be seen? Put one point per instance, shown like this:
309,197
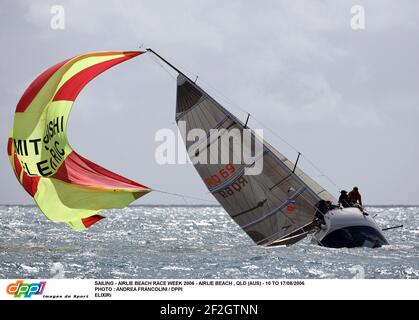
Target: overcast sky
347,99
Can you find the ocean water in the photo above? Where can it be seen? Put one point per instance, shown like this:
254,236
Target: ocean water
190,242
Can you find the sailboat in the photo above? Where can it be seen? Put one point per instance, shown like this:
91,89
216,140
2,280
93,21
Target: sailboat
281,204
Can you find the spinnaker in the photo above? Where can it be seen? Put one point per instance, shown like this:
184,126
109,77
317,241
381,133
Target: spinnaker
66,186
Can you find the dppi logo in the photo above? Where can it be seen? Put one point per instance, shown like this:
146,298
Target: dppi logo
27,290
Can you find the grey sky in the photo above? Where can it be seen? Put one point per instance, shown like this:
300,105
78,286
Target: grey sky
346,99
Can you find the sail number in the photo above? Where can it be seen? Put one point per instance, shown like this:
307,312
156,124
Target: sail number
223,175
237,186
217,178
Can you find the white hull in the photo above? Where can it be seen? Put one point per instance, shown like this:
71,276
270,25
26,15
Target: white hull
350,228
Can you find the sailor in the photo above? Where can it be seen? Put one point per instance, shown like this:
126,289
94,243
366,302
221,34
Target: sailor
355,196
331,206
321,211
344,199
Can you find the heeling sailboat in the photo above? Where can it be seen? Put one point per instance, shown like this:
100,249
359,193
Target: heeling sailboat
277,206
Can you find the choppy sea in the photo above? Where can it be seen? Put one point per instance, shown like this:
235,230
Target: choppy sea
190,242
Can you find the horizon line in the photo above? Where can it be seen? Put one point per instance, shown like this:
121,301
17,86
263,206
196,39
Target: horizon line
208,205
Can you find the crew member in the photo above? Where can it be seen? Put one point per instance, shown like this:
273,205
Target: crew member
355,196
344,200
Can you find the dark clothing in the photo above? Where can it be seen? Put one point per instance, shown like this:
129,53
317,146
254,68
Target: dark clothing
355,197
322,209
331,206
345,201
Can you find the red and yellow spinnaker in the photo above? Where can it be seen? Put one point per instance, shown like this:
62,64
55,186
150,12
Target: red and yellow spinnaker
67,187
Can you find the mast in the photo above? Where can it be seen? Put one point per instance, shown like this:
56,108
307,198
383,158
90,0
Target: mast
168,63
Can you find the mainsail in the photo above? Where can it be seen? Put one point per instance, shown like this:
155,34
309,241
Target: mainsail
67,187
274,207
